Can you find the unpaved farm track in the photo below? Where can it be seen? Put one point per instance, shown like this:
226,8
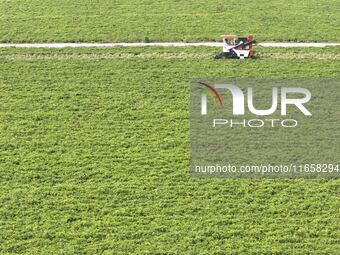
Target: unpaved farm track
160,44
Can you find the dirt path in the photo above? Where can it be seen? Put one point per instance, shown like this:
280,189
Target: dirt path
161,44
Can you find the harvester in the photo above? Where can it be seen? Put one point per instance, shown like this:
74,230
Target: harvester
237,47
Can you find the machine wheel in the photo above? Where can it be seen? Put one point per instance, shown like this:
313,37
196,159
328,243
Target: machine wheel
219,55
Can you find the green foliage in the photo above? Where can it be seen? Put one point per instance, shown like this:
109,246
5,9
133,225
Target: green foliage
167,20
95,158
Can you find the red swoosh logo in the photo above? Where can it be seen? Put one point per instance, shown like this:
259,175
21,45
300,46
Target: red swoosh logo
214,91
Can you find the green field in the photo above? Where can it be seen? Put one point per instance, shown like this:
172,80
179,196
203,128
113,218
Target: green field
94,158
167,20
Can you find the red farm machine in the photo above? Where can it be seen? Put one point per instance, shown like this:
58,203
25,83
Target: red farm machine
237,47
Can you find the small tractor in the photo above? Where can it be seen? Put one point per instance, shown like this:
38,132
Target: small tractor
237,47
